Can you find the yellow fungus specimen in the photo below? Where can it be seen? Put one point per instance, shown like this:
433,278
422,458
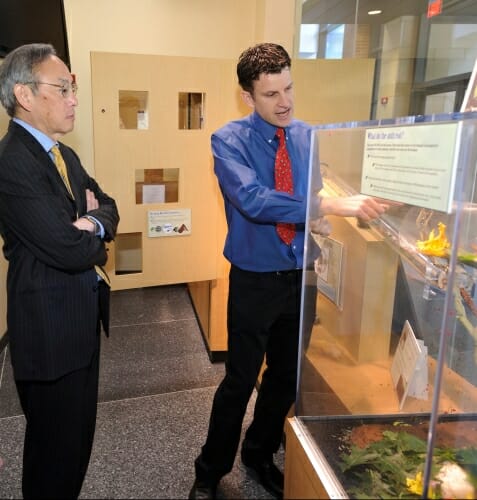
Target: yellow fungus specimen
436,245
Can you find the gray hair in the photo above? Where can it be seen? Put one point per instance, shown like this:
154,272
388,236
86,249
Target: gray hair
19,67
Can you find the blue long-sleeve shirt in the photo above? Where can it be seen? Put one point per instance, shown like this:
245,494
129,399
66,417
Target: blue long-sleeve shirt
244,160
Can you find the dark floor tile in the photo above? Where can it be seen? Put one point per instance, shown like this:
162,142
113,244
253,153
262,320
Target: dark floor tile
9,402
145,448
148,305
12,431
155,358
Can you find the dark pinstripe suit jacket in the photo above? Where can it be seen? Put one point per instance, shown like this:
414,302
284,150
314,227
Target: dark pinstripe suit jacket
52,289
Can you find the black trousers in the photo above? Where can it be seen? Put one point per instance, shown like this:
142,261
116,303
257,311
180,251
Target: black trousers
263,320
60,424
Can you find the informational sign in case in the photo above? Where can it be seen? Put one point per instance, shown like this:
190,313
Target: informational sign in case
169,223
328,268
409,367
414,164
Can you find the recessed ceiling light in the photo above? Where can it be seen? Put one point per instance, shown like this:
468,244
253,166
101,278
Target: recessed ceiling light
374,12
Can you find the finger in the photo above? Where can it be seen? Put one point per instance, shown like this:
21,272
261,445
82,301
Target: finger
91,201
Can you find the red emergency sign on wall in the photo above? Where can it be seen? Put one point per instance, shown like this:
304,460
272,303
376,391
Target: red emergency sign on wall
434,8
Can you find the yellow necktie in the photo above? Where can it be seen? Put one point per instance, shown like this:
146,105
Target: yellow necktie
61,166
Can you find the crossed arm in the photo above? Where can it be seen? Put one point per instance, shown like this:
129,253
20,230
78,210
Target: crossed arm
83,223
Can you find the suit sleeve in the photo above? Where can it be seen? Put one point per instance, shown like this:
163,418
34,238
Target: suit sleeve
107,213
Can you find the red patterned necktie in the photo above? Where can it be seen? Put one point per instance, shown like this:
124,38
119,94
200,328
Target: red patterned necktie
284,182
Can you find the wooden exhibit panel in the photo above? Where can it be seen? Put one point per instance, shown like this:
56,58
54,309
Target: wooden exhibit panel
332,90
212,319
368,277
152,87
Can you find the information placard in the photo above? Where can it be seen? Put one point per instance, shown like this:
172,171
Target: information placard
409,367
414,164
328,268
169,223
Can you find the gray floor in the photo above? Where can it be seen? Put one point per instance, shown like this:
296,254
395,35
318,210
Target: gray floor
156,389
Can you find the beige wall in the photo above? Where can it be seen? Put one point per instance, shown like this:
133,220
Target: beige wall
197,28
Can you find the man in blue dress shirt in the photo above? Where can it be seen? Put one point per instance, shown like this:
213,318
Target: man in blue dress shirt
266,273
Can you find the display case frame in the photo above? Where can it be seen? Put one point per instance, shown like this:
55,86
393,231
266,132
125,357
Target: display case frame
396,355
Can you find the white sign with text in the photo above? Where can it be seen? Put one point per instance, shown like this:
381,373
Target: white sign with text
412,164
409,370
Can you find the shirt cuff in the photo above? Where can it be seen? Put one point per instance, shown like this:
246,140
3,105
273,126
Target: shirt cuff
98,227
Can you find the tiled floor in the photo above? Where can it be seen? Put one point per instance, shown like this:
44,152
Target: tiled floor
156,389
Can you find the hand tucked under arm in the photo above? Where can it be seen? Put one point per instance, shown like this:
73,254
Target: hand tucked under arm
85,224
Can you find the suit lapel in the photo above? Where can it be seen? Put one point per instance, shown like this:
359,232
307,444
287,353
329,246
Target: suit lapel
76,185
48,164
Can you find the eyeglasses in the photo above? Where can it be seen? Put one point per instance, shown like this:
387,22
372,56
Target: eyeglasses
66,89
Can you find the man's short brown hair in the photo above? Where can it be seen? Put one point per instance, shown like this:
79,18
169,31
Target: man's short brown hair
261,58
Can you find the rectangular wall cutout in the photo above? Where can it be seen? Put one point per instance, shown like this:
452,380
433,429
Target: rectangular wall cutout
128,253
157,185
133,110
191,110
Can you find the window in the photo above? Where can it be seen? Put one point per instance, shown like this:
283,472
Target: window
334,42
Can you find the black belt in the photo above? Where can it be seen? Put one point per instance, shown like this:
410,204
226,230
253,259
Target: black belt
290,272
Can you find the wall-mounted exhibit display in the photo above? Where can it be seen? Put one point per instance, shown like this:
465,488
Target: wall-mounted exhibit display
152,149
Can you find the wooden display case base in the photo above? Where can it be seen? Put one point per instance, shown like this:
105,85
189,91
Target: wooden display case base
307,473
209,307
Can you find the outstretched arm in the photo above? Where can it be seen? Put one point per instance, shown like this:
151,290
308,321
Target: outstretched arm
364,207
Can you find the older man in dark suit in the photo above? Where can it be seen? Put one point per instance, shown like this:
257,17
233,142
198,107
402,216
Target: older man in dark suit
54,220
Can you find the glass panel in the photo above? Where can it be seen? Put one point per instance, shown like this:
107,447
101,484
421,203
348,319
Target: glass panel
388,364
452,49
309,41
133,110
334,42
410,48
191,110
157,185
440,103
128,253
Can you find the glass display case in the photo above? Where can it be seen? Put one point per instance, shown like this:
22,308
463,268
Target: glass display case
387,389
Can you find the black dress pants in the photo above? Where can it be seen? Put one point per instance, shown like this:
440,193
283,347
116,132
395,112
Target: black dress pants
60,424
263,320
